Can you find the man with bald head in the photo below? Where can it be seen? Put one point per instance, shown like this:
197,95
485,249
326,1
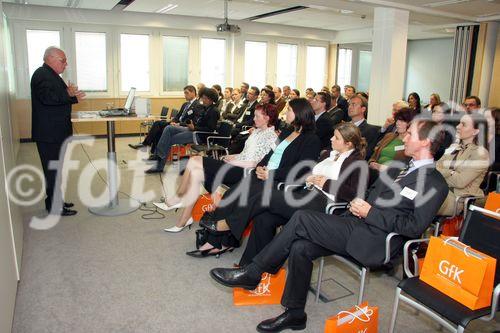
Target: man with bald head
51,101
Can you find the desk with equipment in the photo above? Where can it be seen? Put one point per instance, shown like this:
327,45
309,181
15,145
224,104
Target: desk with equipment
114,207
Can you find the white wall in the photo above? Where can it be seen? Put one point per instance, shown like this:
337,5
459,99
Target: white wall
428,67
8,262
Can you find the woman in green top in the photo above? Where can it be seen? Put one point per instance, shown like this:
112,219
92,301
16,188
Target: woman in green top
390,147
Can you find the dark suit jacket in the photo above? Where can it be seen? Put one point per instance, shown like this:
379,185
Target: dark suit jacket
50,107
280,104
345,187
370,133
409,218
235,114
337,115
342,103
248,117
305,147
324,130
207,119
188,113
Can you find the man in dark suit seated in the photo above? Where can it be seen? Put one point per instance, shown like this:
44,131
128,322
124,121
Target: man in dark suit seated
404,201
176,133
246,119
188,110
324,126
358,107
338,101
51,101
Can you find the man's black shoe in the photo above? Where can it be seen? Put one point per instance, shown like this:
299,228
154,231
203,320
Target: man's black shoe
68,204
235,277
153,170
68,212
136,146
282,322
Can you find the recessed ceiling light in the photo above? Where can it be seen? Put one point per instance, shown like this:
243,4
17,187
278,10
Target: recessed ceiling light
443,3
167,8
449,30
346,11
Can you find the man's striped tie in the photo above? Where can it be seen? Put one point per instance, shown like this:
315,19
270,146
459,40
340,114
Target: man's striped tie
404,171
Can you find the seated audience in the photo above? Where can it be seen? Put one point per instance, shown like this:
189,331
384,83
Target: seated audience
414,102
294,94
433,101
219,102
324,124
244,89
298,145
204,169
339,101
245,120
227,101
349,92
279,99
286,93
189,110
267,96
238,107
358,106
331,180
441,114
360,234
391,147
465,164
389,125
177,134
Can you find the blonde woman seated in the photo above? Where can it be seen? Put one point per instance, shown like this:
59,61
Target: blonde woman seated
204,169
464,165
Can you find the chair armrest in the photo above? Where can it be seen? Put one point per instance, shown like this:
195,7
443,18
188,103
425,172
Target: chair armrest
332,206
494,304
291,186
244,128
388,246
405,254
489,176
216,137
280,186
195,135
247,171
466,199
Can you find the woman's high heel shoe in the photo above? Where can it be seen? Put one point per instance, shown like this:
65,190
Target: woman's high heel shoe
176,229
165,207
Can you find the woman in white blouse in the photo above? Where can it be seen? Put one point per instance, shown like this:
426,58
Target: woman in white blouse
206,169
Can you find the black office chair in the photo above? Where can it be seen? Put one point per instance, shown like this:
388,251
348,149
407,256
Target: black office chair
173,114
148,123
215,142
481,231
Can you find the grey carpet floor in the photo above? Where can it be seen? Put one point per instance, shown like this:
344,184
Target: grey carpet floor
125,274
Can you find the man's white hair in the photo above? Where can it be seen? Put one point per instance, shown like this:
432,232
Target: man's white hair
50,51
401,104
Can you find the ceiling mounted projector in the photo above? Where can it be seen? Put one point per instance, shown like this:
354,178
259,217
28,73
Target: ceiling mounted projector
226,27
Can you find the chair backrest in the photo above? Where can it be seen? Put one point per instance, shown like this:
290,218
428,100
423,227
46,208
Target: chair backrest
481,231
164,111
225,128
174,113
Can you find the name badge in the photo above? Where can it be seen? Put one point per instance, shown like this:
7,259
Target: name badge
399,148
248,113
408,193
190,112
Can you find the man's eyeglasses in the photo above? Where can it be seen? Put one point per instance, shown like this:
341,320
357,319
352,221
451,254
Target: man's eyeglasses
62,60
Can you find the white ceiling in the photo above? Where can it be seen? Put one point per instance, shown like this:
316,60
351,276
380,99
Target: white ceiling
426,16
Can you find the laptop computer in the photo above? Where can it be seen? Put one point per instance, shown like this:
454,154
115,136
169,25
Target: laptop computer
125,111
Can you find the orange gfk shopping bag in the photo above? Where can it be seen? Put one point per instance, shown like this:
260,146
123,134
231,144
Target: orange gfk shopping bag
202,205
462,273
269,290
359,319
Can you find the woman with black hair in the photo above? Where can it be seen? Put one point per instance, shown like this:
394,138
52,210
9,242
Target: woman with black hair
298,145
267,96
294,94
414,102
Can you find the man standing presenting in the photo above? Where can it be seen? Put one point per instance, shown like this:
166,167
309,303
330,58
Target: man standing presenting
51,101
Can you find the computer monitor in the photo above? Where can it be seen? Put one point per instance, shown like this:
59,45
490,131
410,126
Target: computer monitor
130,99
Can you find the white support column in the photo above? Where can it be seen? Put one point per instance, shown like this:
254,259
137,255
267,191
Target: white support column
390,35
490,44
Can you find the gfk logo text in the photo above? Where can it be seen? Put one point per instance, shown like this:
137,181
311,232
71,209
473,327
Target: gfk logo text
451,271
